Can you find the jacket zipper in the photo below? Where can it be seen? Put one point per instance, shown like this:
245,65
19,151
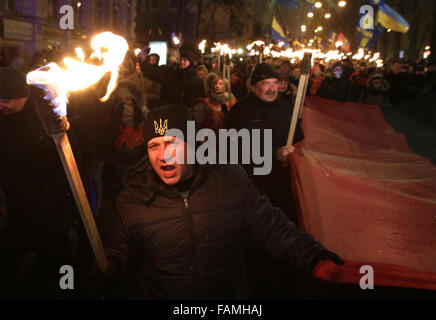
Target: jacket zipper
191,233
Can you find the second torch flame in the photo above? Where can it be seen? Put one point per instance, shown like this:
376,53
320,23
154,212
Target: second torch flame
77,75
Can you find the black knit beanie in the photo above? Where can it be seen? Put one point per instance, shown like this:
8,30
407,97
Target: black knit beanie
162,119
13,84
263,71
190,55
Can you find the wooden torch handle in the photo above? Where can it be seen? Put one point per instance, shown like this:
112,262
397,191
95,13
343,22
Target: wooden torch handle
69,163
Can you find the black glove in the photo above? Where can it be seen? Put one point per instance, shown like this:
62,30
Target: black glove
335,258
328,255
52,123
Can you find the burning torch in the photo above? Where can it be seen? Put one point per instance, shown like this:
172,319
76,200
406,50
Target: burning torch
51,105
202,47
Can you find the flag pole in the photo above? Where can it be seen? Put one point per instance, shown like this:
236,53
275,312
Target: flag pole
301,94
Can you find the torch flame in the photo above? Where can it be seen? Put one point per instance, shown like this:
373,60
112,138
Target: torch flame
80,54
77,75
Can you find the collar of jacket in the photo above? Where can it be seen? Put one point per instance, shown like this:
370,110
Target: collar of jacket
143,183
220,97
258,102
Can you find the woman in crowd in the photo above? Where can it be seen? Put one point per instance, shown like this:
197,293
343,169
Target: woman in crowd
203,115
316,79
218,97
377,91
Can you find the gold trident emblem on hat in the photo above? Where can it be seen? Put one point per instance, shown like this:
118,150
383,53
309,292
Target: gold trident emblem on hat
159,129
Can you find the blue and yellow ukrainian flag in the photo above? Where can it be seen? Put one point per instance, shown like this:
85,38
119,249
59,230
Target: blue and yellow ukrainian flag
389,18
277,33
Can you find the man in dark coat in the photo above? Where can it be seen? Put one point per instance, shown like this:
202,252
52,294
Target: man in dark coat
179,85
336,87
186,224
41,212
398,83
264,110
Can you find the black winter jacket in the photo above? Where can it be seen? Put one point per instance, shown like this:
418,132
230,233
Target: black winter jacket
335,89
179,86
192,248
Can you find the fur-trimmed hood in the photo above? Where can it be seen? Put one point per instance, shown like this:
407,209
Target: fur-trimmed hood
137,94
208,83
221,97
385,86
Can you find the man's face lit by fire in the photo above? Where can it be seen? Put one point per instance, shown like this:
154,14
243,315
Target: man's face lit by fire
266,90
184,63
168,157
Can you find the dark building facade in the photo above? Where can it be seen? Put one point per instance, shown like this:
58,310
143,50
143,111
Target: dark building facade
29,26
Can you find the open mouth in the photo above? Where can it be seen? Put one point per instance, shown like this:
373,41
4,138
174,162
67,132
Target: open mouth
168,171
167,168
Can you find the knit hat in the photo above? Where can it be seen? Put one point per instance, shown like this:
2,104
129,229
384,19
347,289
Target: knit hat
13,84
263,71
162,119
337,64
190,55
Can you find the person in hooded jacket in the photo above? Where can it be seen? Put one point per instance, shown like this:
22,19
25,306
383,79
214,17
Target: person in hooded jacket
377,91
185,225
179,85
125,132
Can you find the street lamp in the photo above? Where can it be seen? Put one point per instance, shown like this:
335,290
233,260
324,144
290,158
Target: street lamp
310,14
303,28
342,4
327,16
318,5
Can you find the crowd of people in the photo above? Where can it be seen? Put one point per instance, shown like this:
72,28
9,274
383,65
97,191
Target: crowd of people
116,146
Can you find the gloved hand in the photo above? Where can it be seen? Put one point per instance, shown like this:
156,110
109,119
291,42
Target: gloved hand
328,255
52,123
283,153
335,258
